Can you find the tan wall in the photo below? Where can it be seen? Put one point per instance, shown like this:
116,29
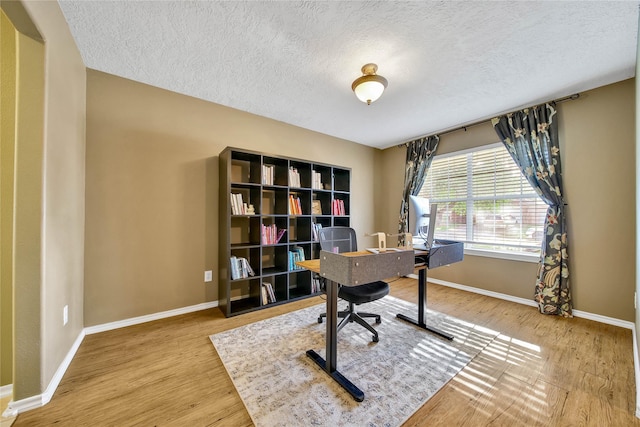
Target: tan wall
27,217
49,198
637,181
152,192
597,138
7,156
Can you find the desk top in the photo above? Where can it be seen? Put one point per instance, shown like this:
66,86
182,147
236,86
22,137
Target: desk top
314,264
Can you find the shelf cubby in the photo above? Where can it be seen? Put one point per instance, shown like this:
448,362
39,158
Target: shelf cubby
244,230
245,168
325,177
300,229
341,179
244,296
275,201
299,284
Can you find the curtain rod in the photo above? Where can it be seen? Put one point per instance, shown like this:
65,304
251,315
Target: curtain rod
566,98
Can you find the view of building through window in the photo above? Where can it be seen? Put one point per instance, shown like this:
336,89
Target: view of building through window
484,201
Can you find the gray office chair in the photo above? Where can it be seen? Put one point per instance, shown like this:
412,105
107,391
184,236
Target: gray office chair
343,239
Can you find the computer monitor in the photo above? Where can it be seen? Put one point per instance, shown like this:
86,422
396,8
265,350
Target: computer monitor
422,220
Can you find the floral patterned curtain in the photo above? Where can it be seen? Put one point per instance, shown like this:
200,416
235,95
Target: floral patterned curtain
531,137
419,157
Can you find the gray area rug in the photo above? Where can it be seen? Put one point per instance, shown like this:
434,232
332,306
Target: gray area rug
281,386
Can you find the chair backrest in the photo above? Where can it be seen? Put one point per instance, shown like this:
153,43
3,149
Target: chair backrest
338,239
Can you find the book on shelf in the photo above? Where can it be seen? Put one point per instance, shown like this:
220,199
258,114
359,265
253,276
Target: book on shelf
316,207
238,206
236,203
267,174
295,207
337,207
296,254
316,180
316,284
271,235
240,268
294,177
268,295
315,231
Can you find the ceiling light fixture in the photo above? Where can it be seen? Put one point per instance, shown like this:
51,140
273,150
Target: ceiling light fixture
369,87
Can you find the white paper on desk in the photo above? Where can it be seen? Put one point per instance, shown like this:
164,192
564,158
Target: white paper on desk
377,251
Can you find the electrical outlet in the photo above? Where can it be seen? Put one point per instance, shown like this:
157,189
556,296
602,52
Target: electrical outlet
208,275
65,315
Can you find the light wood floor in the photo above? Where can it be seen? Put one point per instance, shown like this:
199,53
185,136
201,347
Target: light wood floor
542,371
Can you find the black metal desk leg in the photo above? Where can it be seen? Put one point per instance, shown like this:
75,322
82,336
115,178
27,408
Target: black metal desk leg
332,324
330,366
422,308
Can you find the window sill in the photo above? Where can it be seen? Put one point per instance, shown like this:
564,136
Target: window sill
535,258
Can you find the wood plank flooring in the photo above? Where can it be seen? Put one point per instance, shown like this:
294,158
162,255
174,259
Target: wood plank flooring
541,371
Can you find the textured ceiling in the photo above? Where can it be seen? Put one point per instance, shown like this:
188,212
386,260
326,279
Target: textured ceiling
448,63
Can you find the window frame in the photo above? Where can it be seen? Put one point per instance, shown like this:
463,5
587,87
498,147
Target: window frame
533,257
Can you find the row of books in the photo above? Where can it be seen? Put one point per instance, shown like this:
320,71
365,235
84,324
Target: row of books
268,174
316,180
337,207
268,177
238,207
315,231
295,208
316,284
295,254
294,177
271,235
240,268
268,295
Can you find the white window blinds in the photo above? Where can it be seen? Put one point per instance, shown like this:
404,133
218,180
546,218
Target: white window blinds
484,200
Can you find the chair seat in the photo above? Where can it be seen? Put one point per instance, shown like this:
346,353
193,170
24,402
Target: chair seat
364,293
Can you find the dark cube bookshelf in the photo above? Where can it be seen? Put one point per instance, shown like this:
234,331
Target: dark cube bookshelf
265,181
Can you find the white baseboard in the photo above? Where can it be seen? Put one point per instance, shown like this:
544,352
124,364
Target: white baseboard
636,366
577,313
6,390
18,406
39,400
148,318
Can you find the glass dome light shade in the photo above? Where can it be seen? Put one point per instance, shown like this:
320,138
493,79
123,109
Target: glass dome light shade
369,87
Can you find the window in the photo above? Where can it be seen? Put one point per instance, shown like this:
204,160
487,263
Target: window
484,201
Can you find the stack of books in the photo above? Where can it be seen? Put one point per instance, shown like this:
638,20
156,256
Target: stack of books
315,230
240,268
268,296
316,284
316,180
238,207
295,254
337,207
270,234
267,174
295,208
294,177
